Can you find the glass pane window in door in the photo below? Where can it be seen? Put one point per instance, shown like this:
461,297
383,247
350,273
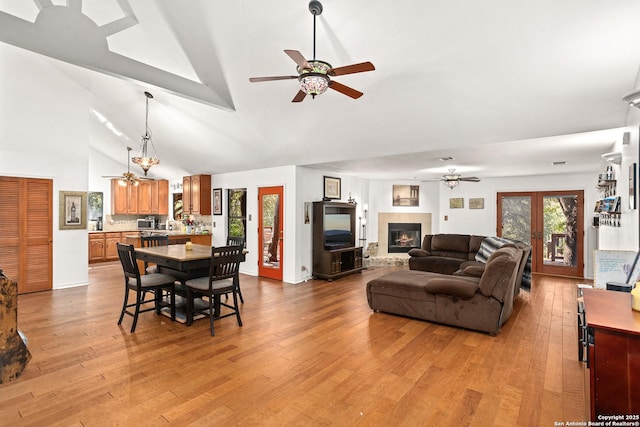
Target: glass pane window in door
516,218
560,228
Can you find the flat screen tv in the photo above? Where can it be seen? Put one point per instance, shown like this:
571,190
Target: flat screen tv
337,231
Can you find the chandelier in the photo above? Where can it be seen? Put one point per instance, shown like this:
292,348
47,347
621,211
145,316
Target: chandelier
143,159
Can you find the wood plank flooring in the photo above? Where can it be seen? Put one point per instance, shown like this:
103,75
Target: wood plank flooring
308,354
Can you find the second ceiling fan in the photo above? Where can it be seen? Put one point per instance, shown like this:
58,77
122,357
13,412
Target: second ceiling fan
315,75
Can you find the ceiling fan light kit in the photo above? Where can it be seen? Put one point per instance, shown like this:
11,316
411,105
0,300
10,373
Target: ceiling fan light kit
314,76
143,159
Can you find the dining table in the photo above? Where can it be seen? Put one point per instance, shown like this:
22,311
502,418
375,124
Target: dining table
182,261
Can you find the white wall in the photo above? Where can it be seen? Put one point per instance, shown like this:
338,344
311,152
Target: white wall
626,236
44,133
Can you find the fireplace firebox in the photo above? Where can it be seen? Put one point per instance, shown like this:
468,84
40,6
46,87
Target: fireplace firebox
404,237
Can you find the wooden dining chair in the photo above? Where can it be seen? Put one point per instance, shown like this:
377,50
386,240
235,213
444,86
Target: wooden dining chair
151,241
237,241
153,283
222,279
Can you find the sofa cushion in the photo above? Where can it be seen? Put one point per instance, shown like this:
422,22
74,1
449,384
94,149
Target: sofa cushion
458,286
499,270
418,252
450,243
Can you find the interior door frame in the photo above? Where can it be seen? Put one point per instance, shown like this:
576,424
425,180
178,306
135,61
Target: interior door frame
272,273
537,230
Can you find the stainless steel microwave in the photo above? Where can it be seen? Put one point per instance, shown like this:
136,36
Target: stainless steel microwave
146,224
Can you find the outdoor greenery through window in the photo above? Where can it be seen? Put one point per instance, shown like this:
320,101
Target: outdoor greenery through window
237,215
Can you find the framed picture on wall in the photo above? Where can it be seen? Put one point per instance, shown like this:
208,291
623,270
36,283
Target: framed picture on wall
332,188
217,201
632,186
73,210
406,195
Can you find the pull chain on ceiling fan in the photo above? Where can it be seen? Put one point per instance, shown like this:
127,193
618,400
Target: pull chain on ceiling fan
315,76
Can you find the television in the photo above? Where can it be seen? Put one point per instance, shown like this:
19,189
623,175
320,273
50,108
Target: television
337,231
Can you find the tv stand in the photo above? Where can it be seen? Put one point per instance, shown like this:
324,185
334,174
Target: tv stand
333,262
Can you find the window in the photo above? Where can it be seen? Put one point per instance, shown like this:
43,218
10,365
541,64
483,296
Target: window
237,214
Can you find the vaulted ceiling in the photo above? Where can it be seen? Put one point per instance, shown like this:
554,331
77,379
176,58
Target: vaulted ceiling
504,87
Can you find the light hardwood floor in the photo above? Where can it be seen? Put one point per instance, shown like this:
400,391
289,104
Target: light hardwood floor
308,354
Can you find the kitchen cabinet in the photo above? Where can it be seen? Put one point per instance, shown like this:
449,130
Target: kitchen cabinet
96,247
196,194
103,246
111,241
124,198
149,197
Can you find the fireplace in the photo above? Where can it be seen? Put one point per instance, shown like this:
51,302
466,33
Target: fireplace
404,237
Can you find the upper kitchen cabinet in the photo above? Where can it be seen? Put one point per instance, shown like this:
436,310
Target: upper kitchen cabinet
196,194
124,198
147,198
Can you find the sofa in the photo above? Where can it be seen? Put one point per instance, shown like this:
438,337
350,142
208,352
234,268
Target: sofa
479,303
466,255
444,253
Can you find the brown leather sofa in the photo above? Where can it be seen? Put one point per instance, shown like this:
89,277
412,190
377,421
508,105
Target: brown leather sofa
480,303
444,253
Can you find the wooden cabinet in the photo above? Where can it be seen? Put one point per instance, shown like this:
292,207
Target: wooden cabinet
124,198
196,194
96,247
334,250
103,246
613,355
111,241
147,198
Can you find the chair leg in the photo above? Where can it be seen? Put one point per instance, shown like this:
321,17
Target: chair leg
235,304
136,312
124,305
236,281
211,313
190,307
172,298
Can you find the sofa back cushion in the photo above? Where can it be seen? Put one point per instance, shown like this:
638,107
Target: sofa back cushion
500,272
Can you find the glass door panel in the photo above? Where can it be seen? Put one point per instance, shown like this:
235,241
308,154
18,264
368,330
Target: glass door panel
270,232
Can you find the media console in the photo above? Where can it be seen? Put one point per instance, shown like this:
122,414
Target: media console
334,251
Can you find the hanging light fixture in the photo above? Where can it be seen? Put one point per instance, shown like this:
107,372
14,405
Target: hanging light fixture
143,159
451,183
314,81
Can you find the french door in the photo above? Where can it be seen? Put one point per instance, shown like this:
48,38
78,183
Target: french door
270,232
552,222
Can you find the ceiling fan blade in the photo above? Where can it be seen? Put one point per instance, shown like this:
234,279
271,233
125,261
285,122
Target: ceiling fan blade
299,96
298,59
268,79
346,90
350,69
469,179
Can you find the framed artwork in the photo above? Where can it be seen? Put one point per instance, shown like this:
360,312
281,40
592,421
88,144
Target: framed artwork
406,195
73,210
632,186
217,201
476,203
456,203
331,188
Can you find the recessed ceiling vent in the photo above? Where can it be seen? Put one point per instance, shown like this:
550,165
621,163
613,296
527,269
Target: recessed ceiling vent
446,158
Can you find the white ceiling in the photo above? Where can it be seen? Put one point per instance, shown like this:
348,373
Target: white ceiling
505,87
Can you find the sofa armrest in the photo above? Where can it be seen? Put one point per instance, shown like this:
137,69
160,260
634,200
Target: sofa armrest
452,286
418,252
474,270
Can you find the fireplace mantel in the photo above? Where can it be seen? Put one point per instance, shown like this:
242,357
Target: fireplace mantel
384,218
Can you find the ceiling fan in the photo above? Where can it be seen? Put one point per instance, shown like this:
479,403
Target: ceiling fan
315,75
452,179
128,177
